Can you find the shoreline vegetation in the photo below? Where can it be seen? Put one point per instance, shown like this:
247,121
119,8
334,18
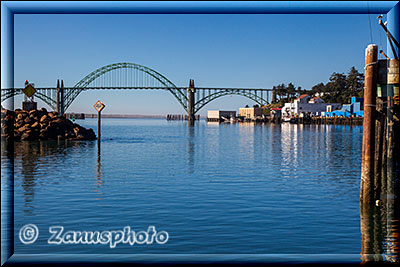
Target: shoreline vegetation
340,88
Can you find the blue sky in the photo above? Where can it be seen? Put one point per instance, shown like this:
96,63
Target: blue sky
214,50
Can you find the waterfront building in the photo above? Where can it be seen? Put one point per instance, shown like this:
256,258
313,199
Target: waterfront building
316,100
305,104
276,113
302,99
355,108
219,115
333,106
251,113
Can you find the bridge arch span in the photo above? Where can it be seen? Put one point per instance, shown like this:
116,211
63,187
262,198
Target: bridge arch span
129,74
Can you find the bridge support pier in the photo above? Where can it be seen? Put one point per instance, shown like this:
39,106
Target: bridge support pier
190,110
60,97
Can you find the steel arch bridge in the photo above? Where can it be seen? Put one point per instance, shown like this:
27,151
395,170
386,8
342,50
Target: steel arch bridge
131,76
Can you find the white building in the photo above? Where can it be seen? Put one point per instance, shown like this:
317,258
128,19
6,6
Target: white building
307,105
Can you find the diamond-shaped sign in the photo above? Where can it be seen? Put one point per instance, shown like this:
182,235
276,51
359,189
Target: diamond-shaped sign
29,90
99,106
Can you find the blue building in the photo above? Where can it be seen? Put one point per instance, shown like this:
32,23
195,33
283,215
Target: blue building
355,108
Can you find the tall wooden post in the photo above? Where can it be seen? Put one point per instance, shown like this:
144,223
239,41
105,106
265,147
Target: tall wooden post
368,142
191,102
98,126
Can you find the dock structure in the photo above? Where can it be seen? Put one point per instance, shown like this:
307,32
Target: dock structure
76,116
380,158
333,120
380,127
181,117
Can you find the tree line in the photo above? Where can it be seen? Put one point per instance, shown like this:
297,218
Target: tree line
340,88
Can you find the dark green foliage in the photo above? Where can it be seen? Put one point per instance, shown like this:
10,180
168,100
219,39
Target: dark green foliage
339,89
284,93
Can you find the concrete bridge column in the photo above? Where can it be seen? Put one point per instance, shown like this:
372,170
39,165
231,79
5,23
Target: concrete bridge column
60,97
191,102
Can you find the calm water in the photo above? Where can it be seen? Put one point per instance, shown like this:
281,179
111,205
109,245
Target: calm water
215,188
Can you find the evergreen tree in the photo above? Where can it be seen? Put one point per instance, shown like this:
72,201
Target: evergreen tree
274,95
355,81
300,91
291,90
319,88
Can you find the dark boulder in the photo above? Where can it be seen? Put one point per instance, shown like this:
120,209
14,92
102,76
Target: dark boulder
43,125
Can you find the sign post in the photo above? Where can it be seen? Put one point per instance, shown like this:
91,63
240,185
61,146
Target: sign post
29,91
99,107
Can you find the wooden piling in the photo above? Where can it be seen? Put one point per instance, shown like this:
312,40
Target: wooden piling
368,141
379,131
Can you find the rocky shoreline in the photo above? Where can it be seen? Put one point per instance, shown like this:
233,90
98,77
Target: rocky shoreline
41,125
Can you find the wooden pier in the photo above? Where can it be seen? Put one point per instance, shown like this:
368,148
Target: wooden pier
305,120
333,120
181,117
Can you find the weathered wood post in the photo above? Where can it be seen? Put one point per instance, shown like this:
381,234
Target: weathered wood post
368,141
393,164
191,101
369,236
379,130
393,144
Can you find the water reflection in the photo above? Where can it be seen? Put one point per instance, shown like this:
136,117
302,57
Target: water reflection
276,146
247,142
289,143
380,233
7,198
191,136
32,159
28,154
99,174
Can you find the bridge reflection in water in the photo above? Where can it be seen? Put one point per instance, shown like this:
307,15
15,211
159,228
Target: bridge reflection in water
380,225
30,156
